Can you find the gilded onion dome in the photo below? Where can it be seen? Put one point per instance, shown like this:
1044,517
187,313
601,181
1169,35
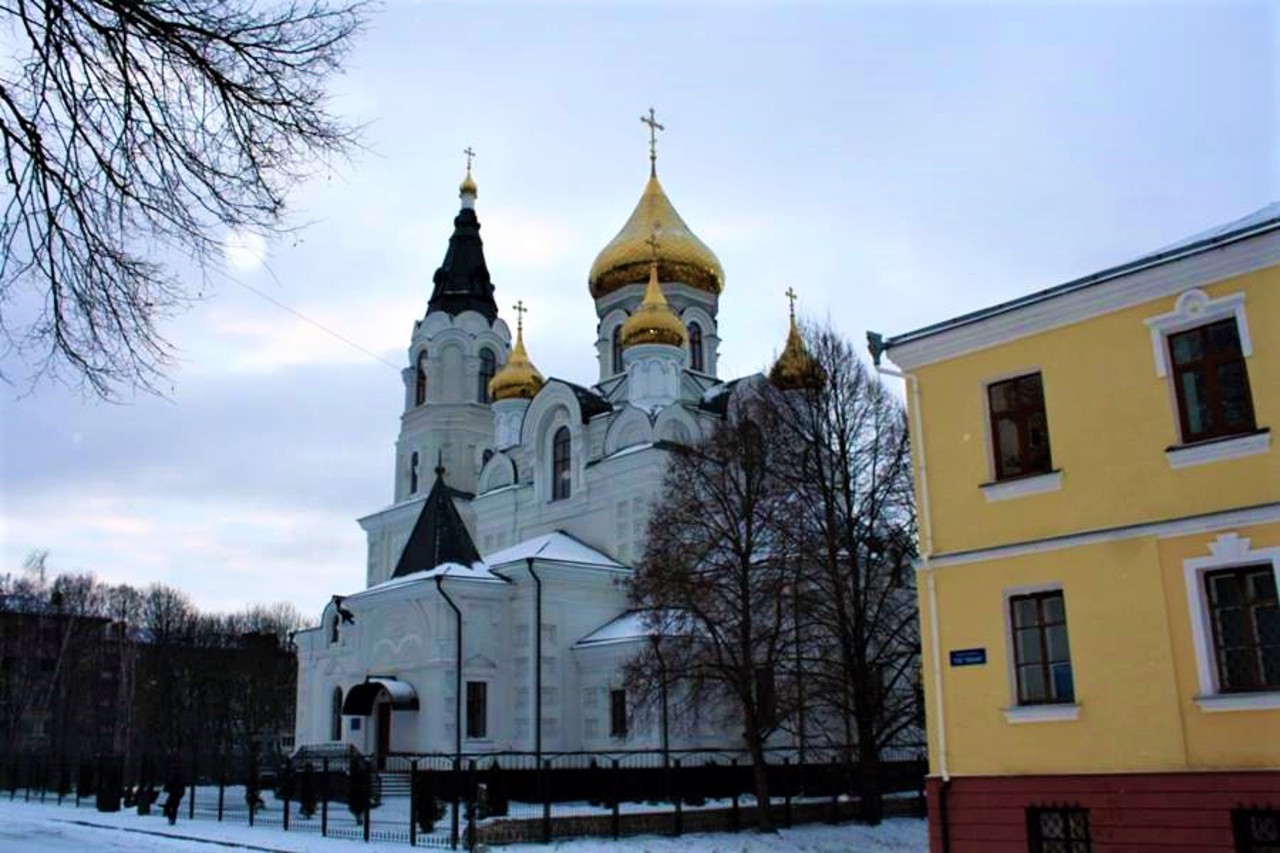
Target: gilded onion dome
518,379
683,258
468,185
653,322
796,368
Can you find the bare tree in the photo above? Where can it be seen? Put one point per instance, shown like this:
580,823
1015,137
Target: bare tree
134,130
712,579
847,462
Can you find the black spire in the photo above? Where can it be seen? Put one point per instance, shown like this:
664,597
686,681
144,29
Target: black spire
462,282
439,535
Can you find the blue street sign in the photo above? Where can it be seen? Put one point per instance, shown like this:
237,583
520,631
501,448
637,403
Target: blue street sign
968,657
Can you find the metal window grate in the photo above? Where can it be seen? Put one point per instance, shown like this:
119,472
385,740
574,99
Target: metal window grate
1058,830
1256,830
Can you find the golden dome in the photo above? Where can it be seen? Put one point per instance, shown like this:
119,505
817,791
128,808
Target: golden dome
683,258
518,379
796,368
468,185
654,322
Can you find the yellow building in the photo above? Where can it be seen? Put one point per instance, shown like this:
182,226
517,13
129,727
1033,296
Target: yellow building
1099,493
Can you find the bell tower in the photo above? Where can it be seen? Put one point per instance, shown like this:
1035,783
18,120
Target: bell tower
455,350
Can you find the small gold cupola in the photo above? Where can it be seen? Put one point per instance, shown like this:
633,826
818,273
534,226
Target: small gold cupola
796,368
654,322
518,379
467,189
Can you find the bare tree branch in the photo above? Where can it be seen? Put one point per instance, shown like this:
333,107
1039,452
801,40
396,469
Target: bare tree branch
133,132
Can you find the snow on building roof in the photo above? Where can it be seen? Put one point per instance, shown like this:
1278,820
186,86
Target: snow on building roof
1263,220
630,626
556,547
475,572
634,625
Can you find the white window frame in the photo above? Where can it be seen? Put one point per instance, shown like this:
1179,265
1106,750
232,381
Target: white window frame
1228,551
1050,713
1192,309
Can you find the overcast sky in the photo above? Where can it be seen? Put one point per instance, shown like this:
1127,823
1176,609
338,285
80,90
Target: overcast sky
896,164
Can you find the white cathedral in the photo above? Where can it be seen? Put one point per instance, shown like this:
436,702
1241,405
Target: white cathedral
494,614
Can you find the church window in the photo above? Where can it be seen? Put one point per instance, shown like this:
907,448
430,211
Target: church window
477,709
695,347
616,349
413,473
617,713
488,366
420,380
335,715
560,465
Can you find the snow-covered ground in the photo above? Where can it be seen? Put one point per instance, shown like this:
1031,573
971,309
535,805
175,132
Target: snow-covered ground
36,828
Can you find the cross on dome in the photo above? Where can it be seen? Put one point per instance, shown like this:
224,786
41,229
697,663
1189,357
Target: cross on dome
791,297
470,156
519,309
654,127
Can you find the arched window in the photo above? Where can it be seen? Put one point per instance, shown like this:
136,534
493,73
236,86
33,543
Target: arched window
335,715
616,353
413,473
560,465
695,347
420,380
488,366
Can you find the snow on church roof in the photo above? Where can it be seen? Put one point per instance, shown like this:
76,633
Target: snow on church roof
474,572
635,625
556,547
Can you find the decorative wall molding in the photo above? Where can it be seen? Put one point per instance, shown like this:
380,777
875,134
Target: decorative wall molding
1195,308
1208,523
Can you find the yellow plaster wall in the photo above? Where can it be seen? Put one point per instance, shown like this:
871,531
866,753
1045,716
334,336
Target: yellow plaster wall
1120,652
1131,651
1110,419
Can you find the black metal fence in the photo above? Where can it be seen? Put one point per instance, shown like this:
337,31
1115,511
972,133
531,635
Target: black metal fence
491,798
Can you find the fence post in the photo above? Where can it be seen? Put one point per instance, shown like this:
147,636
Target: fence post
675,797
367,796
457,789
413,803
546,802
79,777
222,790
324,797
617,795
285,818
735,816
786,787
191,804
44,776
471,804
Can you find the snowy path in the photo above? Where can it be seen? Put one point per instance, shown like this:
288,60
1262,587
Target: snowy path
35,828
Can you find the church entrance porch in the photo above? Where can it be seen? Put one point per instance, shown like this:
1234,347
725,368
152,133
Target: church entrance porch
377,697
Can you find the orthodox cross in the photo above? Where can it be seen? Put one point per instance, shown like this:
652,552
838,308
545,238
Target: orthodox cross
791,297
653,242
520,309
470,156
654,127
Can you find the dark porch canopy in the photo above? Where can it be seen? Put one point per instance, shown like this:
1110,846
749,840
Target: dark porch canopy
360,699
